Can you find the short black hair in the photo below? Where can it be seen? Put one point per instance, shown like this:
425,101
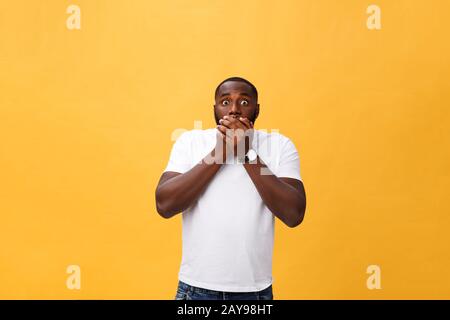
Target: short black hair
255,92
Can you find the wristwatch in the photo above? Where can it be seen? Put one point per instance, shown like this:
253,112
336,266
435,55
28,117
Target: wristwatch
250,156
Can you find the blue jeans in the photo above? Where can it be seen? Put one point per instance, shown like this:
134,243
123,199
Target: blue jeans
188,292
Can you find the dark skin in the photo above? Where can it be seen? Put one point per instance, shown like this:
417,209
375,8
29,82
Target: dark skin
235,108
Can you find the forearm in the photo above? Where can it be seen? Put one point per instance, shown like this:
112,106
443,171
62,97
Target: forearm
282,199
178,193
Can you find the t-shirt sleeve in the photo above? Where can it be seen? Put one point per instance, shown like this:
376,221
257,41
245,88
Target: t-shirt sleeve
289,165
180,156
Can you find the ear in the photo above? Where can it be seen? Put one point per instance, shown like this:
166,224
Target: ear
257,111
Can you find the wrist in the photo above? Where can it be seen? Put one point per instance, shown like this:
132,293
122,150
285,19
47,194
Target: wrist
214,157
250,157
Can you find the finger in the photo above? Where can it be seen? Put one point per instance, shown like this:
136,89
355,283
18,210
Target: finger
221,129
225,123
220,132
232,119
251,123
232,122
246,122
227,132
236,123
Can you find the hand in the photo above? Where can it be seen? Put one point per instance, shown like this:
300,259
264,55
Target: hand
237,134
222,148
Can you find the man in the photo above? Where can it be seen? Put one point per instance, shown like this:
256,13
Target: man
230,182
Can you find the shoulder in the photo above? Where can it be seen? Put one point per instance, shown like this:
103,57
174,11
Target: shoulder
275,138
194,134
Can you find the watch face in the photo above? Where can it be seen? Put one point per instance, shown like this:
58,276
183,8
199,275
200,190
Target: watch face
251,155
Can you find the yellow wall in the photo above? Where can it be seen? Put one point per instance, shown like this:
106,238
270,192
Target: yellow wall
86,118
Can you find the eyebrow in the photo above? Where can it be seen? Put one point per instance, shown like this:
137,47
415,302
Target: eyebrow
241,93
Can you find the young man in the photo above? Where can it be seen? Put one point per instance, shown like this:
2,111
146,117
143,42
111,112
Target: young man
230,182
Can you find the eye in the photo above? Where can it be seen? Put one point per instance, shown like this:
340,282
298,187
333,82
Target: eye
225,102
244,103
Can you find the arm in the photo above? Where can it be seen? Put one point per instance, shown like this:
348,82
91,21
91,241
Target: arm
176,191
285,197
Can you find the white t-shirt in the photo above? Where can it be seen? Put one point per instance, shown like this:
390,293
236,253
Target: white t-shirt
228,232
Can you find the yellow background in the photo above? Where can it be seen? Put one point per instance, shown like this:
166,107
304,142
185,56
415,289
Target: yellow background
86,118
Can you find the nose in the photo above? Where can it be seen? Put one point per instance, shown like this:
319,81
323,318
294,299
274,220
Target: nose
234,109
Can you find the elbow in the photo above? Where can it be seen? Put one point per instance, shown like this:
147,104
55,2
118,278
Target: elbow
162,206
165,210
162,210
295,223
299,216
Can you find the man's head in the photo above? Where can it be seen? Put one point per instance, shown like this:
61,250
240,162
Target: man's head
236,97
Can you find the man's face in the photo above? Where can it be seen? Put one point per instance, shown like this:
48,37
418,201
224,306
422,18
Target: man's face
236,99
